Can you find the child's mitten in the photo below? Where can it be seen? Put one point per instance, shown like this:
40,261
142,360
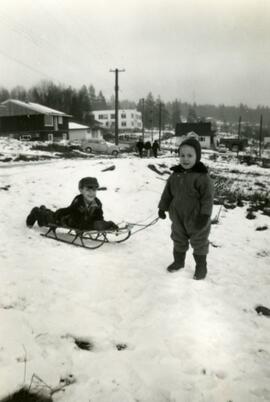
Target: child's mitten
201,221
161,214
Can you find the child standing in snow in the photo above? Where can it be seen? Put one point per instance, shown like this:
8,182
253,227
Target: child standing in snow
85,212
188,197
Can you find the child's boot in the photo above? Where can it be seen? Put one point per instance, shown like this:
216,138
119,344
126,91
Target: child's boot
201,266
45,216
32,217
179,261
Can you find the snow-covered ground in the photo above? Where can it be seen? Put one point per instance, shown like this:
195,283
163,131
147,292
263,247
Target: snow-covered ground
180,340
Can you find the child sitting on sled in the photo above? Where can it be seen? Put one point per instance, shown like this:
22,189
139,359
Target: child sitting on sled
84,213
188,197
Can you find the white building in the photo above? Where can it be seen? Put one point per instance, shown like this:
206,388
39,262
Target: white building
128,119
79,132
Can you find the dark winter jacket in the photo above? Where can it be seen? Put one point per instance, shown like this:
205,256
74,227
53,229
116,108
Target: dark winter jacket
139,145
147,145
79,215
188,192
155,146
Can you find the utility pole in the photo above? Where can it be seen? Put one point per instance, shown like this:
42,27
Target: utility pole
159,123
142,119
260,136
239,127
239,133
151,124
116,107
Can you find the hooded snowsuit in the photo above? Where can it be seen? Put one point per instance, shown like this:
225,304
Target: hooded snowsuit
187,194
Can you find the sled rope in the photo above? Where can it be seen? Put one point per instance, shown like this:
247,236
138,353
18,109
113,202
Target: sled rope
140,222
141,226
215,220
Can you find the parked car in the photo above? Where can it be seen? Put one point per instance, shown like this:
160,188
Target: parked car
222,149
100,146
25,137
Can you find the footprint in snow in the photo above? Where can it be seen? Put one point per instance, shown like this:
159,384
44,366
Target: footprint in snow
83,344
121,346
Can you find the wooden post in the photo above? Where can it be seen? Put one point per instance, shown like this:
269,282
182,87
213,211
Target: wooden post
260,136
116,88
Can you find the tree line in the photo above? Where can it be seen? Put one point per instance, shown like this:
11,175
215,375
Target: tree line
81,102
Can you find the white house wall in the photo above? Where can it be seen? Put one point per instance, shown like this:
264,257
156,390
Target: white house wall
127,119
79,135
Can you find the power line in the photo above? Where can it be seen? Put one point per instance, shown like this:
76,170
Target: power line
31,36
24,64
83,23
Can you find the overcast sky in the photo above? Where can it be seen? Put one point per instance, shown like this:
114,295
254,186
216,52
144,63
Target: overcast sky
208,51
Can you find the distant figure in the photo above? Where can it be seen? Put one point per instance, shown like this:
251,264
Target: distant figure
140,146
155,148
148,147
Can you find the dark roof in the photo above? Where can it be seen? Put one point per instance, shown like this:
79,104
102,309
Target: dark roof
201,128
14,107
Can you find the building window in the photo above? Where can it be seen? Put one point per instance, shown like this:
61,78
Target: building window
48,120
123,115
202,139
132,115
60,119
113,116
132,123
124,124
102,116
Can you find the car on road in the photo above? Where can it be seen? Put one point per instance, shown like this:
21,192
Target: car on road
100,146
222,149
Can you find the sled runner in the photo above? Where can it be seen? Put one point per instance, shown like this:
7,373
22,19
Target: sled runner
91,239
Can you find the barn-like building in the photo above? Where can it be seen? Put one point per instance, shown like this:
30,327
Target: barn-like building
201,130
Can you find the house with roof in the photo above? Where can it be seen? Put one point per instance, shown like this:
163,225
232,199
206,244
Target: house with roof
29,120
202,131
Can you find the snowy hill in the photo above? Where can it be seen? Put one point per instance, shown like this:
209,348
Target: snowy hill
152,336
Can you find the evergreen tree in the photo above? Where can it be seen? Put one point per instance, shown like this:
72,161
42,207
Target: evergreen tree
176,113
4,94
127,104
84,102
149,111
19,93
101,102
192,116
92,94
111,103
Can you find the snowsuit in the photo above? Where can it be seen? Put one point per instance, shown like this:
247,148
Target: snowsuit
187,194
155,148
148,147
140,146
